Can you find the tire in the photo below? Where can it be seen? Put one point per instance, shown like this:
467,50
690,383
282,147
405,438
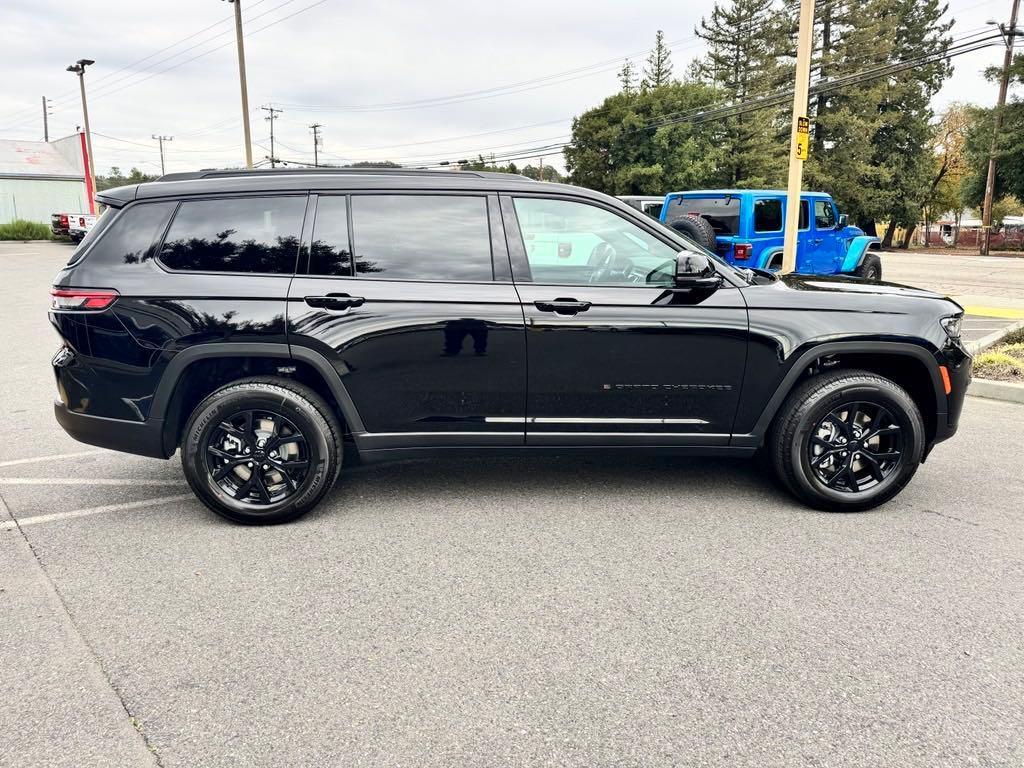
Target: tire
870,267
289,483
804,427
696,229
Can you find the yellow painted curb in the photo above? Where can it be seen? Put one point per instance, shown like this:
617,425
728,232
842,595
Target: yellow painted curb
1012,314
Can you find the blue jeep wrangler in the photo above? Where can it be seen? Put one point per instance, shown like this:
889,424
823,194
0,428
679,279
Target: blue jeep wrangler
745,226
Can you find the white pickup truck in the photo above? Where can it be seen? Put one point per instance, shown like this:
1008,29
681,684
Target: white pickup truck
73,225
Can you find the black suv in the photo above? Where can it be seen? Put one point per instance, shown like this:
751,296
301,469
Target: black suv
266,323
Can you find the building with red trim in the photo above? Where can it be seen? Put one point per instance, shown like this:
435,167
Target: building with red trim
38,178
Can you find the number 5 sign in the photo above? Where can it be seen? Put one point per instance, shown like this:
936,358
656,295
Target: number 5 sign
803,130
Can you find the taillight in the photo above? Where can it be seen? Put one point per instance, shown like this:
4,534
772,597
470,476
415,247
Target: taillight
64,220
743,250
81,299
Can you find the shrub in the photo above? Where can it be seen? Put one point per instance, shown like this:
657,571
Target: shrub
998,365
20,229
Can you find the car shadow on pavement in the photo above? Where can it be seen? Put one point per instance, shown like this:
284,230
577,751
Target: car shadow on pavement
631,482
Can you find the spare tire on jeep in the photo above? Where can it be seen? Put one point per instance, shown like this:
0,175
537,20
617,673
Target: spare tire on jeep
696,229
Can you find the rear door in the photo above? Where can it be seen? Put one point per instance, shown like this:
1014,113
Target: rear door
423,325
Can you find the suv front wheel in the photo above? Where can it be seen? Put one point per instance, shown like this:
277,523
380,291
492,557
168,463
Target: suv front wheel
847,441
262,451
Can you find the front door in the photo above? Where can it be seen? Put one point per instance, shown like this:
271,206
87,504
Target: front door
429,345
616,354
831,248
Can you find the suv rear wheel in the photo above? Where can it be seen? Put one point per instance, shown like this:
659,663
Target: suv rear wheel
870,268
847,441
261,451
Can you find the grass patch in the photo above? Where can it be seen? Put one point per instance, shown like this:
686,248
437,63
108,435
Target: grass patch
1002,363
20,229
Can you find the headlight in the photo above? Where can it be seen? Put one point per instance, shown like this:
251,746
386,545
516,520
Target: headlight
951,325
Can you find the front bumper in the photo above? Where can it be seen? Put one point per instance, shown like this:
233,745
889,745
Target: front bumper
144,438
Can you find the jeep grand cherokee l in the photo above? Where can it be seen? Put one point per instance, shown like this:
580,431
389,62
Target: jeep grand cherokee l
272,324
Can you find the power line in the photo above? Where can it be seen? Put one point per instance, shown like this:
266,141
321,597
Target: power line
770,100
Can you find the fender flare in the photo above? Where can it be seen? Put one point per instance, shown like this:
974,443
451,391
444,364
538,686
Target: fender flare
176,367
856,251
782,391
767,255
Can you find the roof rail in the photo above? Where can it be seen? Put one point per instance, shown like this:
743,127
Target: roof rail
209,173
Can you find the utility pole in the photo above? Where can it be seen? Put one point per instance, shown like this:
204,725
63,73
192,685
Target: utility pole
272,116
1009,33
79,69
242,82
316,143
540,171
799,135
162,139
46,119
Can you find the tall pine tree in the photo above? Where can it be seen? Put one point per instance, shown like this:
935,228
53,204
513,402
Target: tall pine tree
746,41
658,71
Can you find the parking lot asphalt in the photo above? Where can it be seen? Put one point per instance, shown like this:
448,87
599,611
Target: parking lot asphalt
549,611
990,288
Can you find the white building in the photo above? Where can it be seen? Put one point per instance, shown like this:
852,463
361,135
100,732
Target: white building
38,178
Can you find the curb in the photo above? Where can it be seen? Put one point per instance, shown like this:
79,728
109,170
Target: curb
974,347
1007,391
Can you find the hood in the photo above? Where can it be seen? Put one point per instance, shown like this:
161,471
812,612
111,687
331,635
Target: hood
854,285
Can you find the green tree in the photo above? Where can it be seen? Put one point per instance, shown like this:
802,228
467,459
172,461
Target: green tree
746,40
620,147
1009,147
627,77
115,178
658,71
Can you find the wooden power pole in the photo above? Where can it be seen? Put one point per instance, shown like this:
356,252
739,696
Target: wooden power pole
990,183
800,134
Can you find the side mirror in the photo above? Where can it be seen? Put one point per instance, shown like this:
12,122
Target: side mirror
843,221
695,270
564,250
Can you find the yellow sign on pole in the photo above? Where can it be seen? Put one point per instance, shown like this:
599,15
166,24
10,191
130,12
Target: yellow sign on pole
803,131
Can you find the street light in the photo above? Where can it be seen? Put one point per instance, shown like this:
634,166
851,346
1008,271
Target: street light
79,69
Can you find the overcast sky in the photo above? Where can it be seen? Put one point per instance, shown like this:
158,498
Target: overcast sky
317,59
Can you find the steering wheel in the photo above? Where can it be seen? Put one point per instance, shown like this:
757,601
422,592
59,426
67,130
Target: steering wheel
606,262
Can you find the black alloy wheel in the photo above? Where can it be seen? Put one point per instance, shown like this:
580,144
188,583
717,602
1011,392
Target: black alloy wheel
262,450
847,440
257,456
855,447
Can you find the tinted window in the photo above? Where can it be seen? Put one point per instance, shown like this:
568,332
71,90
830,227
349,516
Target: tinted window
329,254
824,215
803,215
251,234
569,242
722,213
421,237
128,236
767,215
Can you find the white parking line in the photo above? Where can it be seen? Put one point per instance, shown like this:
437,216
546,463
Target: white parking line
39,519
53,457
82,481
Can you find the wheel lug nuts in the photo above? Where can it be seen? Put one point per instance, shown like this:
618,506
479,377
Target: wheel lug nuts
266,466
249,464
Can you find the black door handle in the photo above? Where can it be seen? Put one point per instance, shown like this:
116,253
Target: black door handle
335,301
562,306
